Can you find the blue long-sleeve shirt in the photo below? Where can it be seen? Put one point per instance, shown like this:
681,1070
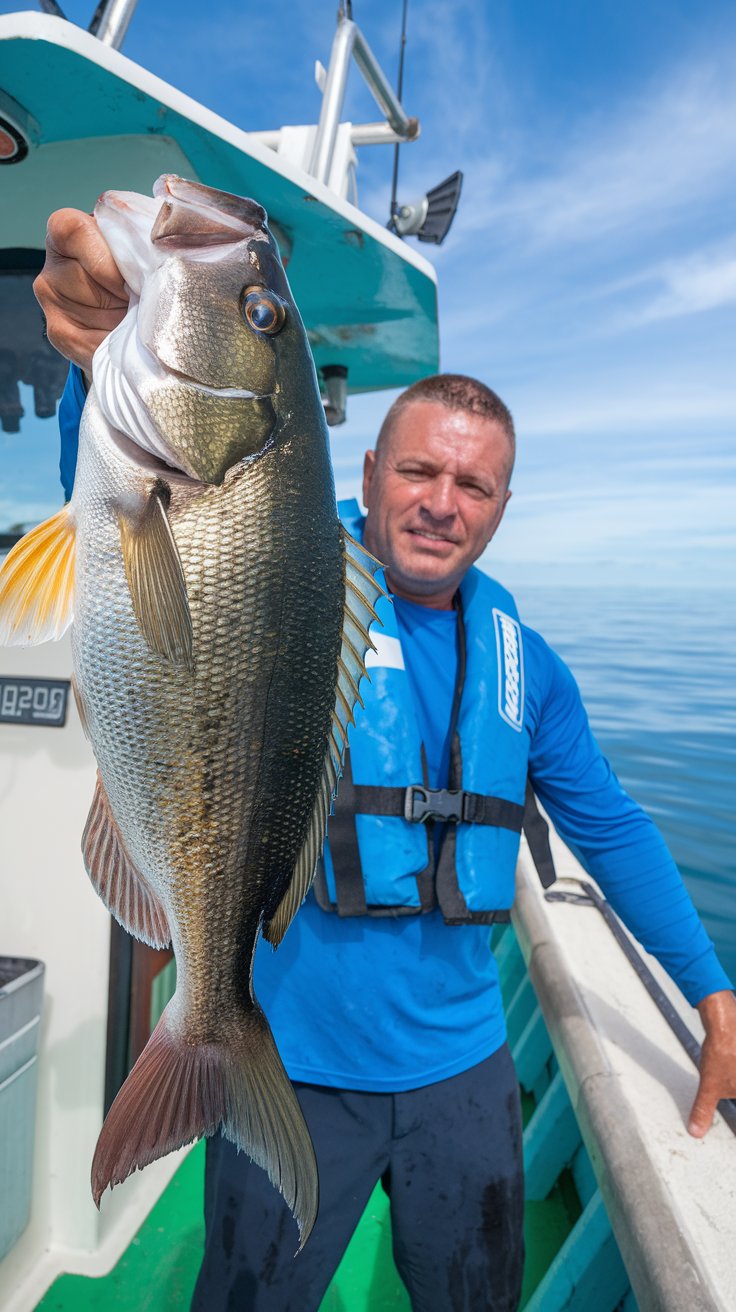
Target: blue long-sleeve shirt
387,1004
390,1004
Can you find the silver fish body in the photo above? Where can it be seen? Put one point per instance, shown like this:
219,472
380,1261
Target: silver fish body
220,621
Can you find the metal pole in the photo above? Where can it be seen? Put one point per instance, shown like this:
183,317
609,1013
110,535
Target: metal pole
114,20
381,89
393,207
332,99
350,40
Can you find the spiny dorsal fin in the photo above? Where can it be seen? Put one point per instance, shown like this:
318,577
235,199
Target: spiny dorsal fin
361,594
124,891
156,580
37,584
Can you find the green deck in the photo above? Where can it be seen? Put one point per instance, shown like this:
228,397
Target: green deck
159,1268
572,1261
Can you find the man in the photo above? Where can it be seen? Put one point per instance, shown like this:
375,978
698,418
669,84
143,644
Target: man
387,1014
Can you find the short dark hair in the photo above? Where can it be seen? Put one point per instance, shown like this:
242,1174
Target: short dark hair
456,392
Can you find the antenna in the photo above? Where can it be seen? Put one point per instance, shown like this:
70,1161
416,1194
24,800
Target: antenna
399,89
428,218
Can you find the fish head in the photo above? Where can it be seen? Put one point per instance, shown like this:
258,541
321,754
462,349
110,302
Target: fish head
197,372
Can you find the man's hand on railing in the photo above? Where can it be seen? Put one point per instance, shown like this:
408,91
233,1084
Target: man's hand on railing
717,1060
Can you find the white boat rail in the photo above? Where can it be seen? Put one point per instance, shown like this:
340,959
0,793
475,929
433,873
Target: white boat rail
670,1198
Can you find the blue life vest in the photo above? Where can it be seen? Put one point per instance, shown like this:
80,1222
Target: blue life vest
379,859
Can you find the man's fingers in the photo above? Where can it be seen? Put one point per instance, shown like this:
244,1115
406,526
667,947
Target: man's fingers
75,237
703,1111
80,288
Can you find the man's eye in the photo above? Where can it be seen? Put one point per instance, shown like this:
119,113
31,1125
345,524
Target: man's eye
263,311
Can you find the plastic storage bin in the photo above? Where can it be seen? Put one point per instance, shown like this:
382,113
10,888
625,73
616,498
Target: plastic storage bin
21,994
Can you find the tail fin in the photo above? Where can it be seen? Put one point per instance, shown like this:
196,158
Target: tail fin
177,1092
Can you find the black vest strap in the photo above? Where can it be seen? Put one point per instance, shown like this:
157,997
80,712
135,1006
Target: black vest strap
349,886
418,804
343,839
537,836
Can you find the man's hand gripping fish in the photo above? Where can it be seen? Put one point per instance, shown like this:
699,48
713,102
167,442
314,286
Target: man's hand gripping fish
220,624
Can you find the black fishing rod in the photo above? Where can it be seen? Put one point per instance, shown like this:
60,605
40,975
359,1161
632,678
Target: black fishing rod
399,91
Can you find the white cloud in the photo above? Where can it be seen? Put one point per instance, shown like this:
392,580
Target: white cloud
629,405
702,281
648,163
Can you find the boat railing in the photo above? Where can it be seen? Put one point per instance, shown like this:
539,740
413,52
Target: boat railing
611,1084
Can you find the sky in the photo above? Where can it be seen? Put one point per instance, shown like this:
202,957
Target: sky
590,274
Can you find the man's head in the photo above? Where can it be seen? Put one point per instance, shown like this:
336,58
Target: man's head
437,483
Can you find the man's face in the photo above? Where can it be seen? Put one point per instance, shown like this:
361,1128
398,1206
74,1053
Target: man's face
435,497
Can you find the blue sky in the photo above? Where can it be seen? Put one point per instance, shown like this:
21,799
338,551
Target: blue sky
590,276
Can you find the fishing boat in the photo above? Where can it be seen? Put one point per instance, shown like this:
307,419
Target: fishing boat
624,1209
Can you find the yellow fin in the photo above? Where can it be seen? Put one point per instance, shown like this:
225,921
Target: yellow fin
156,580
37,584
361,593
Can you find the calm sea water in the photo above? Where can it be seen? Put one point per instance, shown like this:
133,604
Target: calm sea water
657,671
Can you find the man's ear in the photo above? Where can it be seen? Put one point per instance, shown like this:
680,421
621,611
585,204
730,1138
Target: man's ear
369,468
497,524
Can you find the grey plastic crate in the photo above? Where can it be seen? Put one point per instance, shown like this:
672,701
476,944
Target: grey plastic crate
21,995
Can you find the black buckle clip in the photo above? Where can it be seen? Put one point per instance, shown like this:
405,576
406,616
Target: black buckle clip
422,804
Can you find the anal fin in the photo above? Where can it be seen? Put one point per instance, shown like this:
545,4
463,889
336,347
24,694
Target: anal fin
361,594
156,579
124,891
37,584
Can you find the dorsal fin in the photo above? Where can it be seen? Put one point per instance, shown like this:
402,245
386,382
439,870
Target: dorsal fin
361,594
37,583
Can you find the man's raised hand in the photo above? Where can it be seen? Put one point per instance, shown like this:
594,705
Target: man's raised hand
80,288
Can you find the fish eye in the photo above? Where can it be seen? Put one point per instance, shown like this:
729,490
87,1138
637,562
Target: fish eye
263,311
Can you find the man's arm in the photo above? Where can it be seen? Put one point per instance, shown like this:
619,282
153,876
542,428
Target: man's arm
624,851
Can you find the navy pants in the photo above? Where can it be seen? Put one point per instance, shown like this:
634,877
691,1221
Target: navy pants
448,1155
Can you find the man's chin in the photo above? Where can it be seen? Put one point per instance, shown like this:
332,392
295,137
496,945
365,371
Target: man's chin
421,576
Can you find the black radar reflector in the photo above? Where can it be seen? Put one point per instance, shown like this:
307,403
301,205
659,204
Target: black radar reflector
442,203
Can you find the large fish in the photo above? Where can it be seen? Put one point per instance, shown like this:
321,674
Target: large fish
220,625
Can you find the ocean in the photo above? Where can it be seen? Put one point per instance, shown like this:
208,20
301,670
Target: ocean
657,671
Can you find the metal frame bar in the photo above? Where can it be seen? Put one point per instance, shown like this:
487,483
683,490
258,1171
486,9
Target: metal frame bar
361,134
349,41
113,22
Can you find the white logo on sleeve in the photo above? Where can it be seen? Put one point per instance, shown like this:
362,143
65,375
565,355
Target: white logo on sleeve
510,669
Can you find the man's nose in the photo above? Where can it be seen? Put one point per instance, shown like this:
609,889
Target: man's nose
440,498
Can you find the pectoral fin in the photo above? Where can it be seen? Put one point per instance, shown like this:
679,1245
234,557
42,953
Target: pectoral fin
361,593
125,892
156,580
37,584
